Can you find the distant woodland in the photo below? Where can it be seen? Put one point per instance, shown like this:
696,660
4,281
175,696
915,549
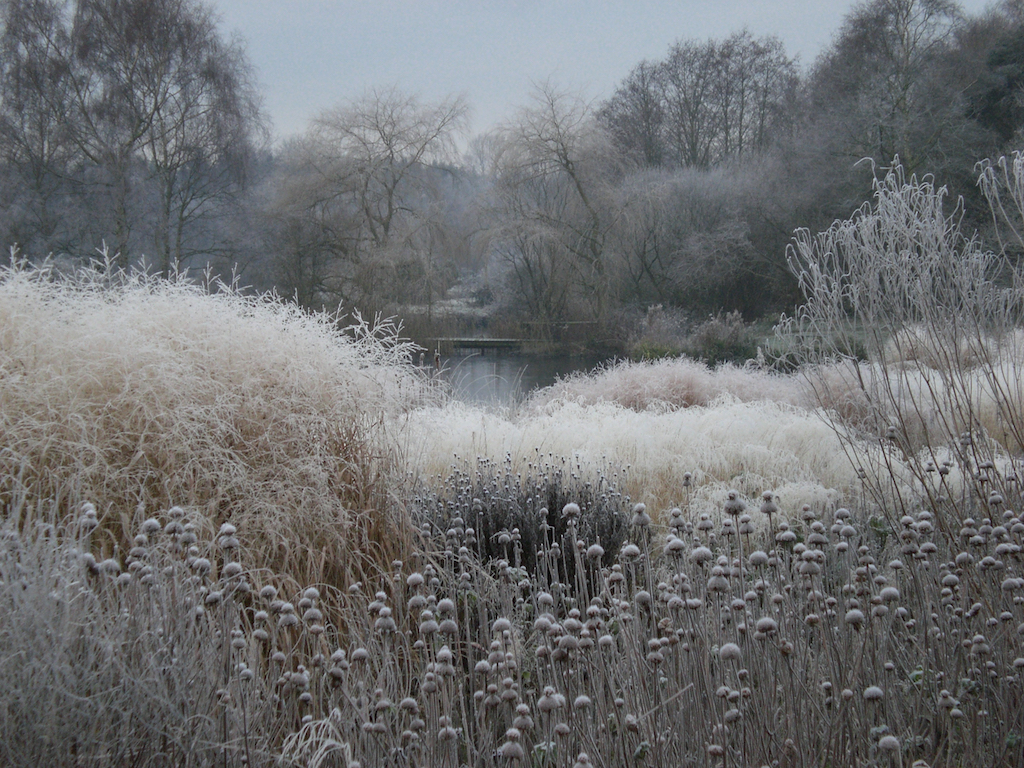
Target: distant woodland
134,128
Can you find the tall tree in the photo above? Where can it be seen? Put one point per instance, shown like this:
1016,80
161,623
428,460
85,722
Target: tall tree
708,102
35,101
159,111
362,185
556,172
877,86
693,121
635,115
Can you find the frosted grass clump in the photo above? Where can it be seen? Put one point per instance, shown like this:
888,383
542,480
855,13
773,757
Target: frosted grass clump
124,386
766,444
672,383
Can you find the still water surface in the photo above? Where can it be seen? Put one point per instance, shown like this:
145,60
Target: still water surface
505,379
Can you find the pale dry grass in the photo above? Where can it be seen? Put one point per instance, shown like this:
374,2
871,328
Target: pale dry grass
673,383
930,407
129,391
729,444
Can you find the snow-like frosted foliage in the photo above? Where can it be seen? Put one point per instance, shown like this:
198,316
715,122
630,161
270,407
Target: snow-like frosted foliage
910,331
674,383
759,445
127,389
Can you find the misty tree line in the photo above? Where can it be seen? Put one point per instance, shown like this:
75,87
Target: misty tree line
130,122
137,124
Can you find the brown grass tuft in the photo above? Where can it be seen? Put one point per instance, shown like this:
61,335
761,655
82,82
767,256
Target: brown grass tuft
135,392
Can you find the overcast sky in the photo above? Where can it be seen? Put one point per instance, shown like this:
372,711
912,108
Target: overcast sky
314,54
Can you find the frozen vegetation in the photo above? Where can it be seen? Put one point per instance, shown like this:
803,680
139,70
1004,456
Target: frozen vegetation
235,533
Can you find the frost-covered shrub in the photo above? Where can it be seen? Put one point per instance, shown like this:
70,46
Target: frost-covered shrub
678,382
940,317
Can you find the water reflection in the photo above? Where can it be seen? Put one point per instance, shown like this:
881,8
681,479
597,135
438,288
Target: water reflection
506,379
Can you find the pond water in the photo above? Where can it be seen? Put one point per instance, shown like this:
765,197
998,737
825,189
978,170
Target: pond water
500,379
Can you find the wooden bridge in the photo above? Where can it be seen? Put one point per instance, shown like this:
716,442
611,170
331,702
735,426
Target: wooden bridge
460,343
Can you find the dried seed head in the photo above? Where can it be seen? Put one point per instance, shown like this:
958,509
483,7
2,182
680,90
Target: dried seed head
718,583
448,627
674,546
730,652
734,505
550,701
701,555
512,750
445,607
758,558
268,592
889,743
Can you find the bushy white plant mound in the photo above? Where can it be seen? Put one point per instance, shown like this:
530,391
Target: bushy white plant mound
130,390
673,383
729,444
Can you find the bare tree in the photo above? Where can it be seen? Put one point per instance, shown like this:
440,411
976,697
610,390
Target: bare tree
690,80
706,103
556,172
156,115
635,115
879,87
363,183
757,82
36,146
